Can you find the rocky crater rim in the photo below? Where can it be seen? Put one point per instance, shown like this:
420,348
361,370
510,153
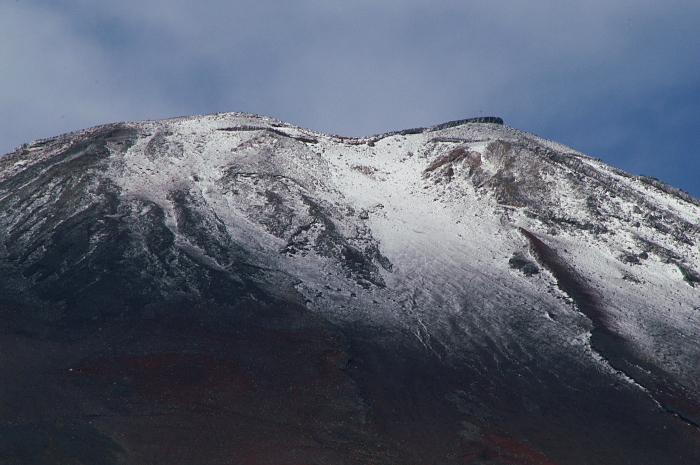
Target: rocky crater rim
491,129
254,122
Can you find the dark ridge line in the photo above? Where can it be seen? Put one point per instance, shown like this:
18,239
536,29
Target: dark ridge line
609,345
309,140
371,140
667,188
457,140
459,122
449,124
439,127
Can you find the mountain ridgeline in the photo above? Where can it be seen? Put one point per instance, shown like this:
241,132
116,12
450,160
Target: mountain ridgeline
232,289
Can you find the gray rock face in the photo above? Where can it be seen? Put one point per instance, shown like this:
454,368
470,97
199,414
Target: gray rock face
233,289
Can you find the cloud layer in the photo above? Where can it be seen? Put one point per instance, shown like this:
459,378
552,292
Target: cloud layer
616,79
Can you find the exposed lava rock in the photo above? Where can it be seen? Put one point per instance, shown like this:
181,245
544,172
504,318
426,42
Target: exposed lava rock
519,262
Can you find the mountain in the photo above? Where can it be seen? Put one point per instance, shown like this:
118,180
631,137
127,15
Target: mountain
232,289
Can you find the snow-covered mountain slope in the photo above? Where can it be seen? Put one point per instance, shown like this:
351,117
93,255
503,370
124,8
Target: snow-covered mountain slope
465,293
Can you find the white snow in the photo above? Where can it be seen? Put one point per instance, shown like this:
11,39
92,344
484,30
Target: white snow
449,243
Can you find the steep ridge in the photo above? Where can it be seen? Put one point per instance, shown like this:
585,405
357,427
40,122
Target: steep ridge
230,288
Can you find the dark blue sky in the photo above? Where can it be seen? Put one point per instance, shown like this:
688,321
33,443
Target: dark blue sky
617,80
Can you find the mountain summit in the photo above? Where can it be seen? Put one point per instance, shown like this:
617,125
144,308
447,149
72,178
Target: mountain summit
232,289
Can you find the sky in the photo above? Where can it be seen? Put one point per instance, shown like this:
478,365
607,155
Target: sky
617,80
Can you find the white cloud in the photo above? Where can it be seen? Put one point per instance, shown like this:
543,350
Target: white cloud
54,80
